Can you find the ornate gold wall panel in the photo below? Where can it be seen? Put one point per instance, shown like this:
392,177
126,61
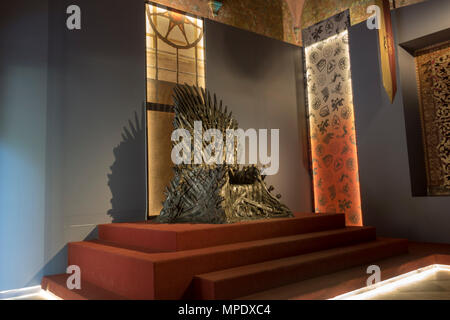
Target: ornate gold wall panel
277,19
433,77
260,16
318,10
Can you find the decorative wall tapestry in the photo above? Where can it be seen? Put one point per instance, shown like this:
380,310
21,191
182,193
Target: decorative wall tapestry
331,118
318,10
433,76
327,28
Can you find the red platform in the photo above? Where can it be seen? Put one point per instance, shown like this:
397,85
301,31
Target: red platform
200,261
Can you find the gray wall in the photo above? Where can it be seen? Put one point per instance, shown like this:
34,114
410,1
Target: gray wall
260,80
23,105
429,18
422,19
72,152
96,127
387,197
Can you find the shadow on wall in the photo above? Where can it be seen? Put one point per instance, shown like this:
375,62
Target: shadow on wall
127,179
57,263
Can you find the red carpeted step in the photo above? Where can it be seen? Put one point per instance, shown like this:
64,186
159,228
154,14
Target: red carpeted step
177,237
244,280
141,275
57,284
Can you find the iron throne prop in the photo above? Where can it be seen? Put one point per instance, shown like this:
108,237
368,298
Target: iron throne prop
212,193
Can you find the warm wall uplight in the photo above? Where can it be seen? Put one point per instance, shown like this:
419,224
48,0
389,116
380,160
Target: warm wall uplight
175,54
332,128
28,293
175,50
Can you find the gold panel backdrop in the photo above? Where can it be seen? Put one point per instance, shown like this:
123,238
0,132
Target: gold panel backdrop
159,161
175,54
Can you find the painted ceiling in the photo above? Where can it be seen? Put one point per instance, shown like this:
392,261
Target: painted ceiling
278,19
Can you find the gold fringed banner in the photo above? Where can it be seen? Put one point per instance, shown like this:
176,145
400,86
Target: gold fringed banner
387,50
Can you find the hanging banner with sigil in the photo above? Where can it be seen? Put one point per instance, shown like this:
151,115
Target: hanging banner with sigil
334,158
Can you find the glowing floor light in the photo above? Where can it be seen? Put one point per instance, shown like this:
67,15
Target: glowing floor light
393,284
28,293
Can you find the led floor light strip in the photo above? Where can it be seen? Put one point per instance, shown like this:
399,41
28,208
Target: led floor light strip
47,295
42,294
8,294
26,293
392,284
